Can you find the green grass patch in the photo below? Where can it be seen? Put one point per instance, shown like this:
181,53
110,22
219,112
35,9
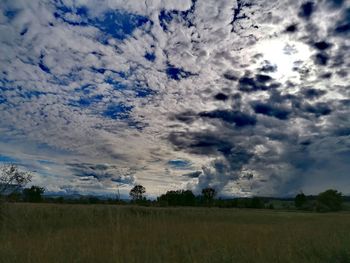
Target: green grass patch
107,233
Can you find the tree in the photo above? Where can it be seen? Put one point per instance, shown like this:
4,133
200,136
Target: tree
136,193
208,194
33,194
330,200
177,198
256,202
300,200
12,179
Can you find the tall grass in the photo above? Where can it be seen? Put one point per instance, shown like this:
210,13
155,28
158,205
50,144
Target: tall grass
101,233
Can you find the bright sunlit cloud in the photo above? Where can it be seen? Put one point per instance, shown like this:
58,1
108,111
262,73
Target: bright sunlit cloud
287,55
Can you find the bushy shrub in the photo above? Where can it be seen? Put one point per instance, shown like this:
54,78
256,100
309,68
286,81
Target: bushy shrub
330,200
300,201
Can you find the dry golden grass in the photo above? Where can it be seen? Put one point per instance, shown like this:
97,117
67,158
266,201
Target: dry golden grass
101,233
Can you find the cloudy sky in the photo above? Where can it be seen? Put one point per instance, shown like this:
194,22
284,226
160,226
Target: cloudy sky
248,97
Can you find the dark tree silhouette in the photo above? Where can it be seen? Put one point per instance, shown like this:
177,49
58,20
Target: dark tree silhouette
178,198
330,200
300,200
208,194
12,179
256,202
136,193
33,194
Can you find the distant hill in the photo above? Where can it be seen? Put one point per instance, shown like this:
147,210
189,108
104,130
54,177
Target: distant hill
9,189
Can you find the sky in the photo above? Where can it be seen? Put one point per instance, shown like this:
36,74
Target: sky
247,97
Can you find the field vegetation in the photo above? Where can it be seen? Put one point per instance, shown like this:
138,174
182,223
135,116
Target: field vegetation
110,233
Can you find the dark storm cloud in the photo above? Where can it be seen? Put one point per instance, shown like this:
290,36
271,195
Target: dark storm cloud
291,28
186,117
100,172
322,45
319,109
221,96
235,154
203,143
306,10
195,174
321,58
311,93
343,25
230,76
342,73
262,78
295,133
240,119
222,170
336,3
345,131
326,75
268,67
259,83
271,110
300,104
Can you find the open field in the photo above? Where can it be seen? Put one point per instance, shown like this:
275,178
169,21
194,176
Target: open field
106,233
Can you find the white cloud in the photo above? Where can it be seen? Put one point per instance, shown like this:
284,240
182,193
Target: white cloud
42,108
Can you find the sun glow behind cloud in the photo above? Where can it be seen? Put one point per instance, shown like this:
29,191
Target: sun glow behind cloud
286,55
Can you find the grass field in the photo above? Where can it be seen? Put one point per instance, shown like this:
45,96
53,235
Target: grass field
106,233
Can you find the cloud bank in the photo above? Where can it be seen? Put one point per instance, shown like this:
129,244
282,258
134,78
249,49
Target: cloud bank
249,97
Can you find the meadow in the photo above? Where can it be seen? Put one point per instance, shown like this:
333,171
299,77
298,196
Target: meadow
110,233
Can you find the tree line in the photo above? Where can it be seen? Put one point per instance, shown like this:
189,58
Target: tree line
329,200
13,181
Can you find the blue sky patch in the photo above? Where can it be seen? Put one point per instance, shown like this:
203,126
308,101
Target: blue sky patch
165,17
117,111
117,24
179,164
117,85
11,14
86,101
62,11
123,180
2,99
86,89
7,159
177,73
46,162
150,56
29,94
144,92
